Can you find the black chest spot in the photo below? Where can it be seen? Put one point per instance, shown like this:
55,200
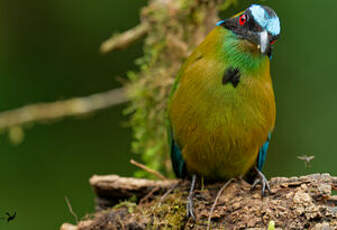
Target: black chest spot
231,75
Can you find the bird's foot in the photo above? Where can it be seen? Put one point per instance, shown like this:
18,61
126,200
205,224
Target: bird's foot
189,205
261,179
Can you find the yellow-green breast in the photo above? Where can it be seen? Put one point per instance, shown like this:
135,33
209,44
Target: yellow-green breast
218,127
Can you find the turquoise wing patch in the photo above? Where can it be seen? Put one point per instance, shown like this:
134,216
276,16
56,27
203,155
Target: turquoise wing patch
177,159
263,153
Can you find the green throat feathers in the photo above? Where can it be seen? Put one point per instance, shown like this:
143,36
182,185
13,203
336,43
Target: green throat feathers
239,54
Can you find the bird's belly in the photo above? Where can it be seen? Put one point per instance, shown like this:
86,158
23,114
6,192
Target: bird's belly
220,155
222,141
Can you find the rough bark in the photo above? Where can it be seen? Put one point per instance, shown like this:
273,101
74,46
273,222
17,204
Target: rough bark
303,202
112,189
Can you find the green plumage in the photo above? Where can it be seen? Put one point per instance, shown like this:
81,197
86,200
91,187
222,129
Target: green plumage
216,129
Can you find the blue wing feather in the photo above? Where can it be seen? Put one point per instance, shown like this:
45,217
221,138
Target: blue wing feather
177,159
263,153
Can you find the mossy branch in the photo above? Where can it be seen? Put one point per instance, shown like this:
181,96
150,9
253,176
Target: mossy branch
122,41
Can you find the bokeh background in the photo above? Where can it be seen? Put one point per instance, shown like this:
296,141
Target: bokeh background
49,51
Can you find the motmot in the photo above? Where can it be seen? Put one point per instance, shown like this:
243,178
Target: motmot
221,109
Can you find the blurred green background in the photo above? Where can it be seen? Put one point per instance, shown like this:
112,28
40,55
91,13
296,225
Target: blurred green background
49,51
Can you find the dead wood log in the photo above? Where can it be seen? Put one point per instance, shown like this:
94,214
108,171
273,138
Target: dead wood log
305,202
112,189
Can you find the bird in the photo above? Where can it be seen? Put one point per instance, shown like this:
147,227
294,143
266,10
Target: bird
306,159
9,217
221,110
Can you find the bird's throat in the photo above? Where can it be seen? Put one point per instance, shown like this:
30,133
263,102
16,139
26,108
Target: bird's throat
242,54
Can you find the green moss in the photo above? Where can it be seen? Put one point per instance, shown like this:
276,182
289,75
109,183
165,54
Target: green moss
171,213
128,204
271,225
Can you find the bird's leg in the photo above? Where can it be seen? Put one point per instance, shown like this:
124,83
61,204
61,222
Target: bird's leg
189,205
262,180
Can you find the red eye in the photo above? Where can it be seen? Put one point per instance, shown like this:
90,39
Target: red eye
242,19
272,42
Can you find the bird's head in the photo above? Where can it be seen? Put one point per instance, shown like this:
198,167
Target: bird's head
257,24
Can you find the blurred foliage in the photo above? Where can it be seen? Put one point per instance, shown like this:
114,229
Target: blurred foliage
176,28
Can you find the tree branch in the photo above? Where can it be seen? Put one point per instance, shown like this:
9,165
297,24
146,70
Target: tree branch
122,41
113,188
61,109
67,226
147,169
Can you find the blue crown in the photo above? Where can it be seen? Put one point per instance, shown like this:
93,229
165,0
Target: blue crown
266,18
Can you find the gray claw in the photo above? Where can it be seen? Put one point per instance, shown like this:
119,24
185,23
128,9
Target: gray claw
261,180
189,205
189,208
